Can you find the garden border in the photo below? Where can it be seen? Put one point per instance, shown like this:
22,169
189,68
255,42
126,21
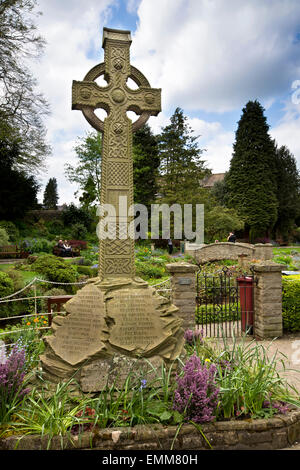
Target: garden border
260,434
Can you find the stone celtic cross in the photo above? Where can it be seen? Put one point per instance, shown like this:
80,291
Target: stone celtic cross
116,257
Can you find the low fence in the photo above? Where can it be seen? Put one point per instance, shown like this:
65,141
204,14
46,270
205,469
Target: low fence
163,288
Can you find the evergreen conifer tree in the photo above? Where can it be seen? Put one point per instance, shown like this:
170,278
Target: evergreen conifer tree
181,167
51,195
145,166
288,192
251,183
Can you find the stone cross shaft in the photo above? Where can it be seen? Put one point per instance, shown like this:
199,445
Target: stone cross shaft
116,257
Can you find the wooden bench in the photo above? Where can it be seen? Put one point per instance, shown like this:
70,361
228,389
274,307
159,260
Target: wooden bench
8,251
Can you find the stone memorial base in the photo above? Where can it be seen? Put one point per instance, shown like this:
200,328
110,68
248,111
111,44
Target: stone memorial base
111,327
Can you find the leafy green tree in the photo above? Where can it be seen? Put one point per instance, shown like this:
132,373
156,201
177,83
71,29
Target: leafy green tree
18,191
181,164
219,192
22,108
76,215
4,238
288,192
87,172
251,180
51,194
219,221
145,166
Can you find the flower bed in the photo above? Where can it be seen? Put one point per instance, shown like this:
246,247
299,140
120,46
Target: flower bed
261,434
231,396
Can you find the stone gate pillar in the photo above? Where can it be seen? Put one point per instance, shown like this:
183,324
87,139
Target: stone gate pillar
268,300
184,291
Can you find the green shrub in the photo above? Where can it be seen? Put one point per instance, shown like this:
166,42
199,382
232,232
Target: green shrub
79,231
75,215
11,230
55,269
4,238
55,227
291,304
17,278
6,285
87,270
37,245
146,269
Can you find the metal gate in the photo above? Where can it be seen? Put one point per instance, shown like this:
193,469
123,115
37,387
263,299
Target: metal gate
225,303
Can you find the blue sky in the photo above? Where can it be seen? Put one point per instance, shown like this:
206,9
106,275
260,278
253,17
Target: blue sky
209,57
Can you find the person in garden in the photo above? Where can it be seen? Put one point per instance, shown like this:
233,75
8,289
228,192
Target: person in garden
67,248
231,237
170,246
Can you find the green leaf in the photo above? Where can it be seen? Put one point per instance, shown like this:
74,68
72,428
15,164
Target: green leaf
165,416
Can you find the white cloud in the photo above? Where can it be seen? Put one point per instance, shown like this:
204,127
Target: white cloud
73,32
288,130
210,55
216,55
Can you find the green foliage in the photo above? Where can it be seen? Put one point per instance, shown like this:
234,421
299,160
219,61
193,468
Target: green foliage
251,186
291,304
11,230
55,227
37,245
219,221
288,192
4,238
18,192
79,231
181,167
145,269
145,166
55,269
87,271
249,378
6,285
22,106
87,172
75,215
50,194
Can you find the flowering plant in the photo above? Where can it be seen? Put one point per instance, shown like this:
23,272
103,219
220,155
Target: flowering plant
12,373
197,394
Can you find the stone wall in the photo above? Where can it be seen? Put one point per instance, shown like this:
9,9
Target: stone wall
228,250
261,434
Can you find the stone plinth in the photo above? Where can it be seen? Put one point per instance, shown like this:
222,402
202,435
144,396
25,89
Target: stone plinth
268,300
184,291
110,327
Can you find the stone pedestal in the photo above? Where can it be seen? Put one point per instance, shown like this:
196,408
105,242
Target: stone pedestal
110,327
268,300
263,251
184,291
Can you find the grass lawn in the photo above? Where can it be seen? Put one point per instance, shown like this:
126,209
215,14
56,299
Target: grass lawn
27,275
284,250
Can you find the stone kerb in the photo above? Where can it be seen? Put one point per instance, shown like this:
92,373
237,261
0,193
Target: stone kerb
268,300
228,250
260,434
183,285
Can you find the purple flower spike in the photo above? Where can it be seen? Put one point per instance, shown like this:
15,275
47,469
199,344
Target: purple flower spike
196,395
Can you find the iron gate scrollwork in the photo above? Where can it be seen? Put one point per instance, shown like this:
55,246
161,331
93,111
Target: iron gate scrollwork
224,303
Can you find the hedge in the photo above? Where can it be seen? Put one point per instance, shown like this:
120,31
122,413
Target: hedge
291,304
